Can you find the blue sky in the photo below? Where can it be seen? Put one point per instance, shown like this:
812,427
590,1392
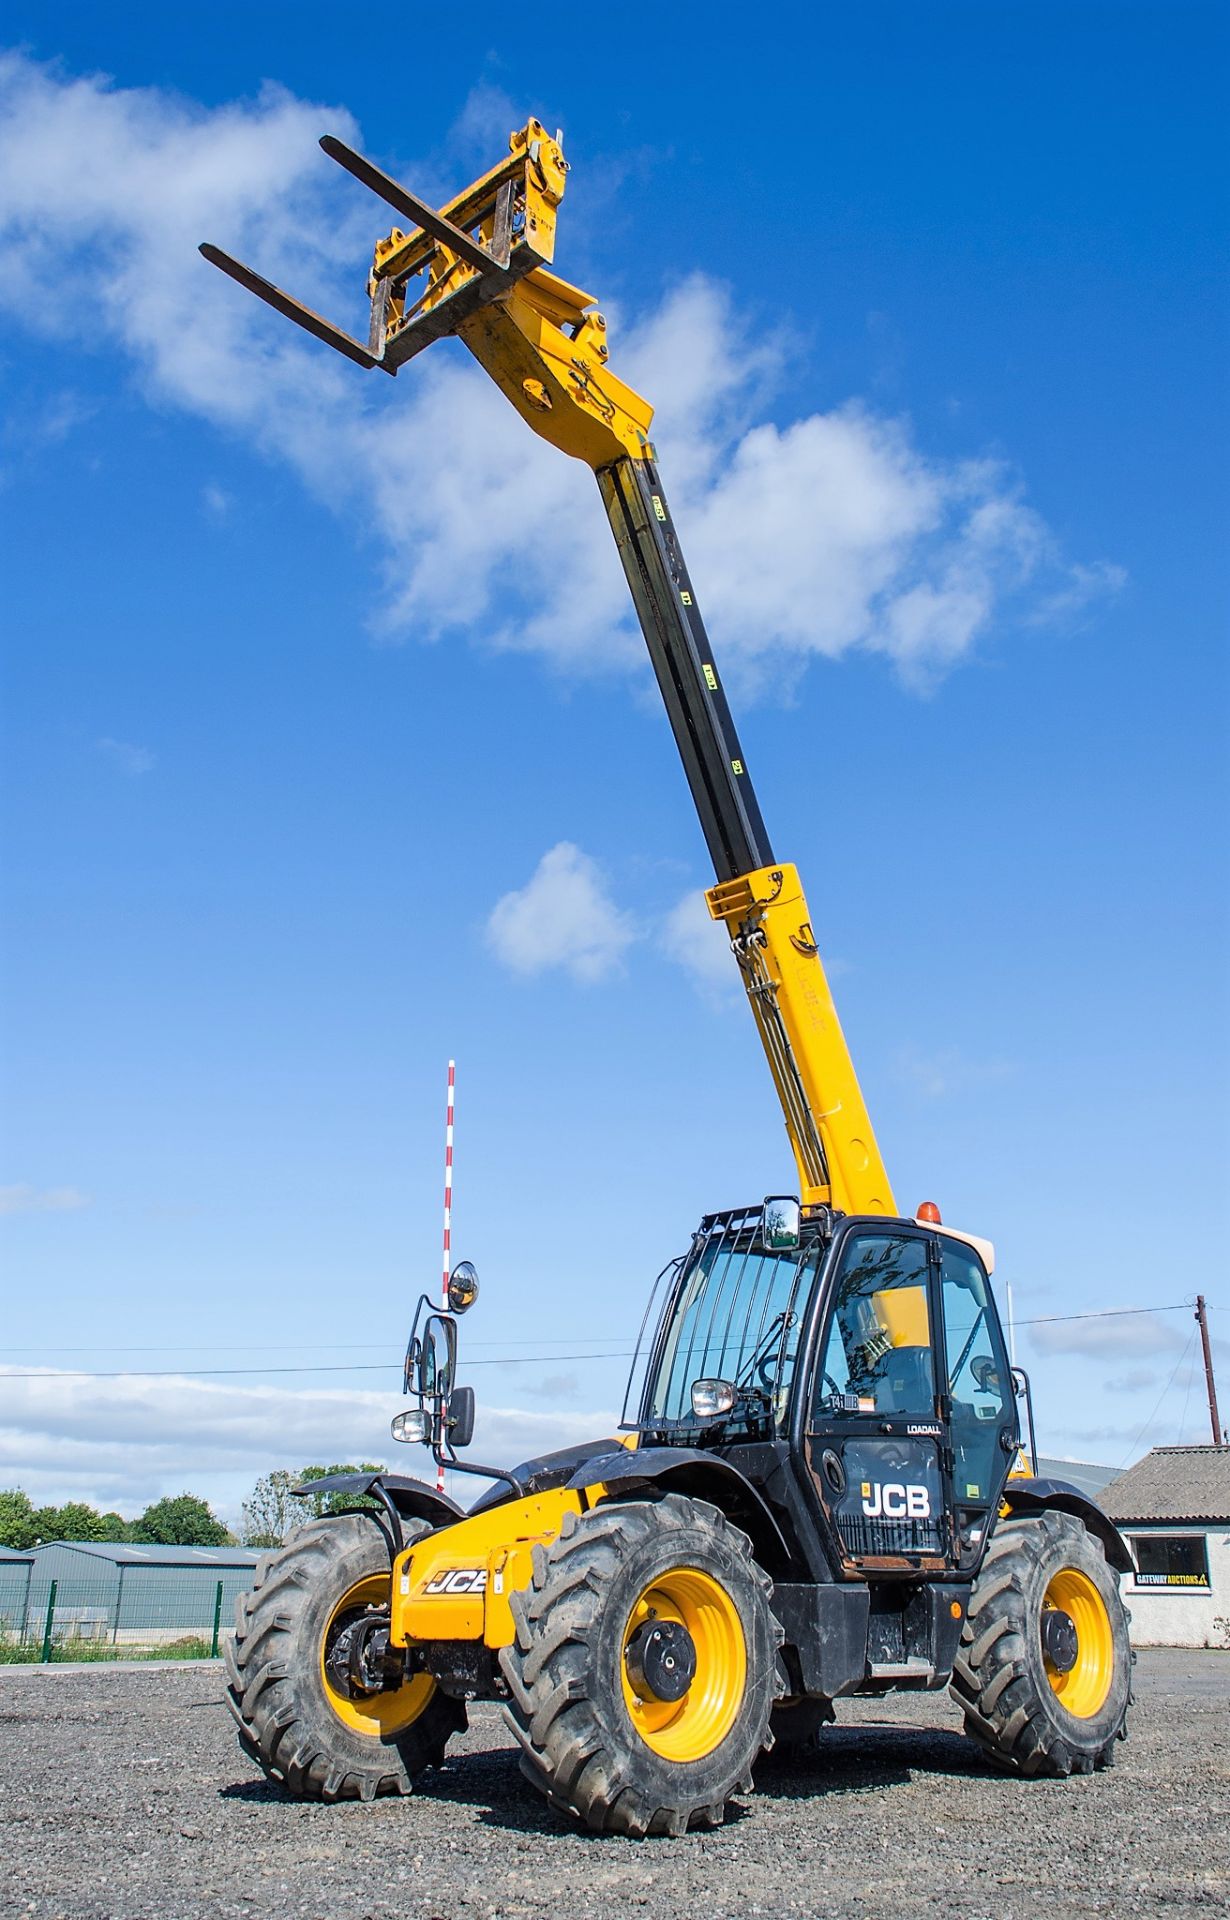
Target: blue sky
302,680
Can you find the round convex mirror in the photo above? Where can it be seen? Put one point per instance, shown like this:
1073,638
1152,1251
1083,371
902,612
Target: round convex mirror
462,1286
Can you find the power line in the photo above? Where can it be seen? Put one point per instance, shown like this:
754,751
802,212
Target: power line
195,1373
1102,1313
390,1366
1191,1340
285,1346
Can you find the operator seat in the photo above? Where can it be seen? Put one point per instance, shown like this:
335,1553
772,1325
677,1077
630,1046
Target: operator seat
904,1382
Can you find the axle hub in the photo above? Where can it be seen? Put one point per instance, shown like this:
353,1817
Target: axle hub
661,1659
359,1661
1059,1642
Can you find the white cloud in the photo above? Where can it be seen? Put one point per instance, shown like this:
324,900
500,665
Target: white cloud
809,537
1135,1380
25,1199
701,947
58,417
938,1074
129,759
563,918
125,1441
1127,1336
556,1386
216,501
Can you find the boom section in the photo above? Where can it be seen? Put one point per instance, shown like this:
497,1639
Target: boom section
760,903
682,658
478,269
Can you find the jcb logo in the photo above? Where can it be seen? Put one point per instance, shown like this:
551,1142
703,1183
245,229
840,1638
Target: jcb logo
458,1580
893,1501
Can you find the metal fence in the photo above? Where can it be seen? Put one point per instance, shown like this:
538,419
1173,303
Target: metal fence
125,1614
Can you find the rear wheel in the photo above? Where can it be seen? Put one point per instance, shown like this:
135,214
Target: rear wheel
642,1673
1043,1674
287,1671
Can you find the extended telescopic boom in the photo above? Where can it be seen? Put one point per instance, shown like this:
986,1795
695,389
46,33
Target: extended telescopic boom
478,269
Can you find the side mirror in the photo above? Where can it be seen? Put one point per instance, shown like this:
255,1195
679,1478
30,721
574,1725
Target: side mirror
462,1286
460,1420
986,1374
437,1358
781,1223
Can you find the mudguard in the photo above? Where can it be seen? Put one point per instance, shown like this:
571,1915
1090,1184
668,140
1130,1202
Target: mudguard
1033,1496
413,1499
705,1476
548,1471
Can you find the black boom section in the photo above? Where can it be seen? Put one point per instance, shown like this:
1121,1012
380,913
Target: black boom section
683,661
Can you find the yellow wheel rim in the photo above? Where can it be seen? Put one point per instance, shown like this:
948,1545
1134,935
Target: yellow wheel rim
377,1714
696,1725
1083,1690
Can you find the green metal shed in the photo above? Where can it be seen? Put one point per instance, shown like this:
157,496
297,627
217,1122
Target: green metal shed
135,1593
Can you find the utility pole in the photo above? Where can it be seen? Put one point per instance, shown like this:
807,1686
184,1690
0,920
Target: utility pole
1202,1321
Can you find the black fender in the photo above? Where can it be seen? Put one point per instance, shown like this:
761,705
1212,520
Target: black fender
547,1471
402,1498
1034,1496
702,1476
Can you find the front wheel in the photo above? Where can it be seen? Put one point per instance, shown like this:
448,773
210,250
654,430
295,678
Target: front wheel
286,1671
1043,1674
642,1675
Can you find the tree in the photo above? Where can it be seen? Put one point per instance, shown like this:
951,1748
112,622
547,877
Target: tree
74,1521
184,1521
115,1527
272,1510
321,1503
17,1528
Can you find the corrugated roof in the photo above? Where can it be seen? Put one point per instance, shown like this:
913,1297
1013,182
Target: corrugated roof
15,1553
153,1556
1173,1483
1085,1474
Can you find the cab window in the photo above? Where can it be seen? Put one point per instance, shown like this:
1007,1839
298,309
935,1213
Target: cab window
877,1350
979,1382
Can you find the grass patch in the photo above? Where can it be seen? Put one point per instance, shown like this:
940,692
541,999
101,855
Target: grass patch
28,1653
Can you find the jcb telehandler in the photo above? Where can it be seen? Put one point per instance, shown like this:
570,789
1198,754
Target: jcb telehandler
814,1492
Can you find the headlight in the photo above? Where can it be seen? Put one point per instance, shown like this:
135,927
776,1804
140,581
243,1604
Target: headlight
711,1397
414,1424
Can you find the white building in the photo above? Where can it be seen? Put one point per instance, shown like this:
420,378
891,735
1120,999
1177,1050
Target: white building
1174,1508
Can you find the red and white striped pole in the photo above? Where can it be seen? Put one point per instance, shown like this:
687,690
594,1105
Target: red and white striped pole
448,1214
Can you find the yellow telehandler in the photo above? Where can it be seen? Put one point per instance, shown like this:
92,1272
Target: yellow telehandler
813,1494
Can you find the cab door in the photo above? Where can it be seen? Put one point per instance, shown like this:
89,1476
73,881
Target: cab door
875,1436
977,1397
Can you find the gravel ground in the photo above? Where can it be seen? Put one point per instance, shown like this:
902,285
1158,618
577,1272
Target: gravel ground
124,1794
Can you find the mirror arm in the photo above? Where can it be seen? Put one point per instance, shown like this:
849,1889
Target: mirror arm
1025,1391
446,1457
380,1492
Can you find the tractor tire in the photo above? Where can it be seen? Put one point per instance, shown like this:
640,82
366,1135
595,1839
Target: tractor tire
318,1741
1028,1714
669,1757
